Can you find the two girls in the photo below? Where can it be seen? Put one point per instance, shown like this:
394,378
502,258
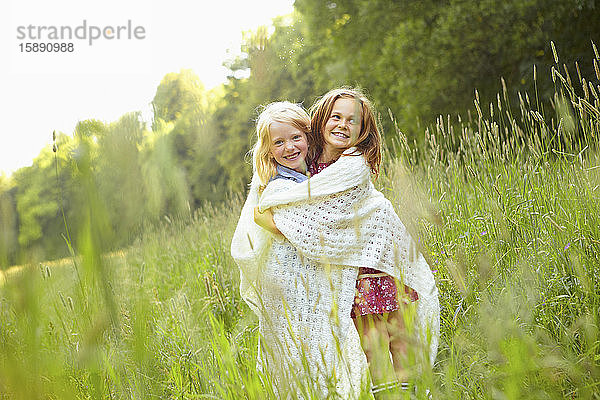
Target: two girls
338,220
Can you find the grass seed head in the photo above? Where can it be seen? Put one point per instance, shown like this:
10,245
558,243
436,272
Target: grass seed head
554,52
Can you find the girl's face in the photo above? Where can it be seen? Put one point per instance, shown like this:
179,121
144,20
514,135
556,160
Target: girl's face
288,146
342,126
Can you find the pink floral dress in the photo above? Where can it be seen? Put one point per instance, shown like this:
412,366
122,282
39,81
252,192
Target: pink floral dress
376,291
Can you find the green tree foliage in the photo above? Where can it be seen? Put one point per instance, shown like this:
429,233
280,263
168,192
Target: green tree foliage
177,93
180,98
418,60
118,173
38,195
204,175
164,183
186,109
8,221
423,59
130,174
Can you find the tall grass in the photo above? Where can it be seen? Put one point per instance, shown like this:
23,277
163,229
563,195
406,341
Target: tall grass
505,205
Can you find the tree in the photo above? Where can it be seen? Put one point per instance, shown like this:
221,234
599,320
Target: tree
164,182
423,59
118,174
8,225
176,93
39,194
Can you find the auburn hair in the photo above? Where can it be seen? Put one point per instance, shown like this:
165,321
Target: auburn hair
368,141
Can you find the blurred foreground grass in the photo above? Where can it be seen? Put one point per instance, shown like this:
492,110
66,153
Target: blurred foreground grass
506,206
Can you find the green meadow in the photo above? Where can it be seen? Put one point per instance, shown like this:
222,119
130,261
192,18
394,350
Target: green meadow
505,204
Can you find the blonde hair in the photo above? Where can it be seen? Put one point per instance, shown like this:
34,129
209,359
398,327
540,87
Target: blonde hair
281,111
368,142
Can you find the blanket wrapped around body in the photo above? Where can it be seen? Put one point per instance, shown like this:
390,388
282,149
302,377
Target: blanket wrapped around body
334,220
337,217
307,336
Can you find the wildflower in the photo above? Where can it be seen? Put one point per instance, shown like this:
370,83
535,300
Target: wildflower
567,246
483,233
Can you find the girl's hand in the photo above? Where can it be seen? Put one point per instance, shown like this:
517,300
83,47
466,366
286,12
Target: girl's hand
265,220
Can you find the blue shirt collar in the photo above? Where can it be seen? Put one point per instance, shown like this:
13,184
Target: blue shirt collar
287,173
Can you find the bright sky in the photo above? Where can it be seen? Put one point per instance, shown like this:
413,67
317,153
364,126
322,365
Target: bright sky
42,92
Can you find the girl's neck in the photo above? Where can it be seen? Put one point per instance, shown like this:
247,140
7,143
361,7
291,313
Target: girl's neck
329,154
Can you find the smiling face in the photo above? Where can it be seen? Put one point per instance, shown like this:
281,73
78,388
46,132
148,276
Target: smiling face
342,127
288,146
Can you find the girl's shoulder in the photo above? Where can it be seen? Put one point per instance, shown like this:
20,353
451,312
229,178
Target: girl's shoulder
278,185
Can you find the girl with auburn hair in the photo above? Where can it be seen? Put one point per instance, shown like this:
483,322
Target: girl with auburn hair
342,119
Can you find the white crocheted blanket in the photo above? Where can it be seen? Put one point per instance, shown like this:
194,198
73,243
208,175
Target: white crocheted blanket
303,308
249,247
337,217
251,243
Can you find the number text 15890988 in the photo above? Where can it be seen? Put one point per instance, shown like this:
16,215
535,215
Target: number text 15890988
46,47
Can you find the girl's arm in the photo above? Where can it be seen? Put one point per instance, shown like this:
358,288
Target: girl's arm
344,174
265,220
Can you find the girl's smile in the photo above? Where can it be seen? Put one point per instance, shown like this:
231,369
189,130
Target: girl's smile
341,135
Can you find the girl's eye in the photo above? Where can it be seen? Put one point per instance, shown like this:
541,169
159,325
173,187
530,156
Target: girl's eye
278,142
297,137
336,117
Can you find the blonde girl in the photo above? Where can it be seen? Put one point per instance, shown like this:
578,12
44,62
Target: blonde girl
302,347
